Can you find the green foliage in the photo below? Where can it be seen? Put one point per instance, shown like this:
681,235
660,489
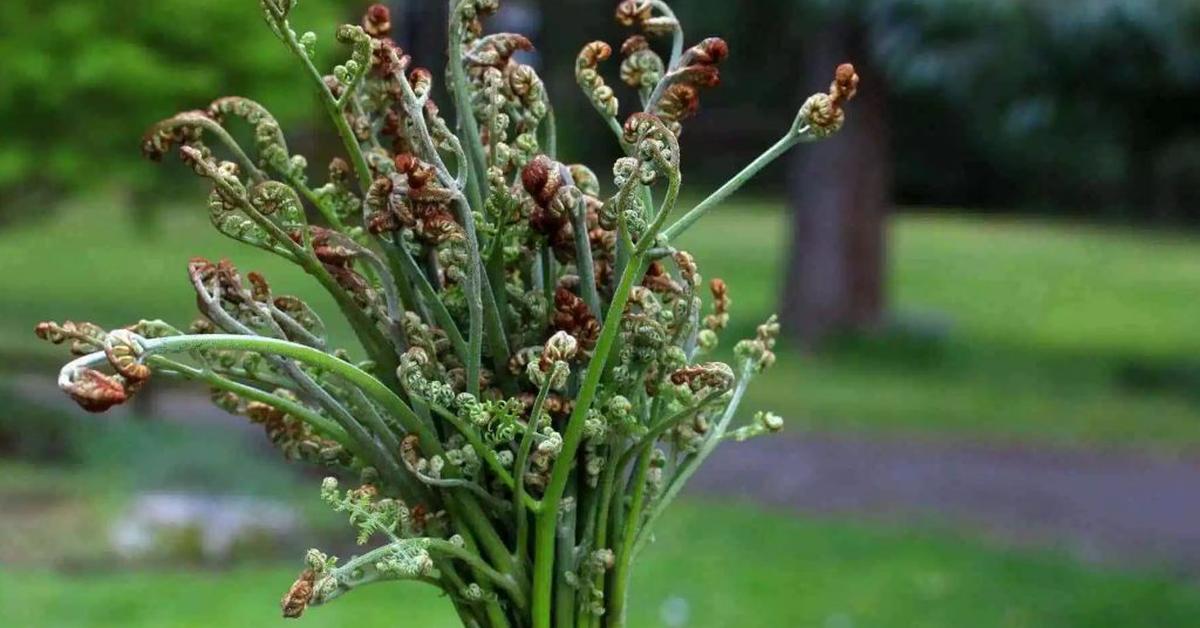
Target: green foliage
82,80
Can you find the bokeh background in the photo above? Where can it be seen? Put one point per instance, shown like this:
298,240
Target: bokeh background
990,283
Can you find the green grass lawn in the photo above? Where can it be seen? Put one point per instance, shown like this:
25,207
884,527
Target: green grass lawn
712,566
1042,331
1025,330
88,263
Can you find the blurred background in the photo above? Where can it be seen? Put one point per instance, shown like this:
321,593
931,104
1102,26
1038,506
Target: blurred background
990,282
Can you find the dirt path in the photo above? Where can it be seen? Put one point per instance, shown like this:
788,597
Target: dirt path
1097,506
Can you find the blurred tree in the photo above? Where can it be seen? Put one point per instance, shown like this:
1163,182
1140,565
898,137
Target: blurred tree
1081,105
80,81
840,196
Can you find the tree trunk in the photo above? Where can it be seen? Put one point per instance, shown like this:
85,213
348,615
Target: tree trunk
839,192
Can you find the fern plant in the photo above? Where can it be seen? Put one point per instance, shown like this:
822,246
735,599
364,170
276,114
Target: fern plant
529,394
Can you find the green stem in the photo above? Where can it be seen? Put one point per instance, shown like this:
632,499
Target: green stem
360,570
408,266
315,358
261,377
408,294
564,595
497,337
600,538
494,502
546,257
486,453
462,101
505,582
476,284
733,185
551,126
475,281
238,153
468,515
583,257
624,250
321,424
543,571
322,206
693,463
619,592
349,139
474,294
677,39
662,426
521,466
573,434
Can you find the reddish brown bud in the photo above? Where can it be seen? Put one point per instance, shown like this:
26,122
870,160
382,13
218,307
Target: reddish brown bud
571,314
96,392
593,53
377,21
260,290
351,282
410,449
45,330
200,269
680,102
368,492
419,177
420,516
632,12
230,281
405,162
845,84
421,80
541,179
299,595
720,316
657,279
720,294
339,171
711,51
181,128
381,222
497,50
700,75
636,125
635,43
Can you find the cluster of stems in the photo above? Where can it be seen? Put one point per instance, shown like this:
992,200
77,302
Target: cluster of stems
528,392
